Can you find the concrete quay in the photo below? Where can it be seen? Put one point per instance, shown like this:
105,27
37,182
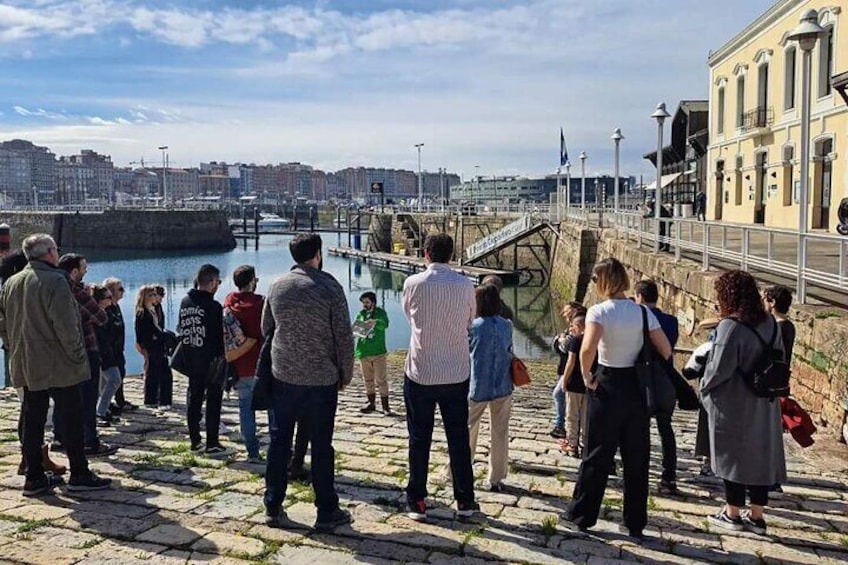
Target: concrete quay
170,506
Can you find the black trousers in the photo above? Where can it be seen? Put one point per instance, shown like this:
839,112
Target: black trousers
421,402
158,379
68,404
289,403
617,419
734,493
88,391
198,391
301,441
669,447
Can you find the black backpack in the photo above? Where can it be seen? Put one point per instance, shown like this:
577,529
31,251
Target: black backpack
771,374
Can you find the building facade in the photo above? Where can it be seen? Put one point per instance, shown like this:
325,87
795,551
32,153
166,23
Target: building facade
755,115
539,189
31,168
685,158
76,182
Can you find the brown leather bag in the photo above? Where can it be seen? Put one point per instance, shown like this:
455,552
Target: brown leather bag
520,374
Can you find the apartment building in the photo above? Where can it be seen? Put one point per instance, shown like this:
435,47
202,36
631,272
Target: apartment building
755,120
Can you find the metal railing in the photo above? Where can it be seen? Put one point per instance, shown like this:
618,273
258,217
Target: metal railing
759,117
748,247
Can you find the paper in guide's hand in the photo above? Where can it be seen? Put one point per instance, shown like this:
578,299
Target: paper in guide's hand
364,329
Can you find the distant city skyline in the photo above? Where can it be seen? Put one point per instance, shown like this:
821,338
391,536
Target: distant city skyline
335,83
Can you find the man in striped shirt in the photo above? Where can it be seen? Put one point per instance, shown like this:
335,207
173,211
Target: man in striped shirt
439,304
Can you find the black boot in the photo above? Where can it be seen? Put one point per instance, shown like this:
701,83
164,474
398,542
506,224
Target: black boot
370,407
385,402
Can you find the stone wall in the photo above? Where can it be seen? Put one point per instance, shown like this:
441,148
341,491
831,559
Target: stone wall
820,364
142,229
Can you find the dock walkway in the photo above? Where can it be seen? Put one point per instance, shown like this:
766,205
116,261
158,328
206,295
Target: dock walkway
407,264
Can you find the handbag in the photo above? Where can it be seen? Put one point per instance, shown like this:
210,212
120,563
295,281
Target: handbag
652,373
264,377
518,371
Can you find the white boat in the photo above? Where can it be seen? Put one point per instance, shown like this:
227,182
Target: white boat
273,221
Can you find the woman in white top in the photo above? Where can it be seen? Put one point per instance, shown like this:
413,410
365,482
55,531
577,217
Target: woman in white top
617,410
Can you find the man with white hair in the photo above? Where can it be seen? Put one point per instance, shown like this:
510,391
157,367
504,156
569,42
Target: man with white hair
47,358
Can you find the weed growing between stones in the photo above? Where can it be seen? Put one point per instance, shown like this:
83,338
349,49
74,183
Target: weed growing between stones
549,527
32,525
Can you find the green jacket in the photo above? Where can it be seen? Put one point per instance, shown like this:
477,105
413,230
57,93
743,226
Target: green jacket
375,344
41,328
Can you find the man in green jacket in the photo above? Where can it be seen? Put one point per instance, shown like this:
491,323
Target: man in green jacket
370,331
40,324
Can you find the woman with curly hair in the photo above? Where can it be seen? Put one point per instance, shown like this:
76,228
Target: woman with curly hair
745,430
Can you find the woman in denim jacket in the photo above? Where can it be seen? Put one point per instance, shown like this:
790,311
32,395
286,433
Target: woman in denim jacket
491,381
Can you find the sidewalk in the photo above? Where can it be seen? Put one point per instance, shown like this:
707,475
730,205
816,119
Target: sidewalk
172,506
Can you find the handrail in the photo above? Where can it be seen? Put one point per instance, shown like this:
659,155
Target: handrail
771,250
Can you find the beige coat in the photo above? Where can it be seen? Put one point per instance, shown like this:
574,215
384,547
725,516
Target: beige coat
41,328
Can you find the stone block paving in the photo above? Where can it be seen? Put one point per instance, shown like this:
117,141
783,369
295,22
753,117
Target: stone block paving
171,506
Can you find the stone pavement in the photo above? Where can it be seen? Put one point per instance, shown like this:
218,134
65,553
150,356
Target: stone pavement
171,506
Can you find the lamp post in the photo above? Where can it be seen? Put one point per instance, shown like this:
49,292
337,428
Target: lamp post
807,35
420,179
567,186
616,137
164,149
660,114
477,192
583,158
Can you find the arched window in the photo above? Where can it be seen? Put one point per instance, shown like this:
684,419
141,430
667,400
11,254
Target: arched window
826,62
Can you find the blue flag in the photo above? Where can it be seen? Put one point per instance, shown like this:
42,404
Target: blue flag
563,150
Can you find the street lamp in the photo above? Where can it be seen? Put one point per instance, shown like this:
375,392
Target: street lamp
477,192
807,35
567,185
583,158
164,149
617,137
660,114
420,180
442,172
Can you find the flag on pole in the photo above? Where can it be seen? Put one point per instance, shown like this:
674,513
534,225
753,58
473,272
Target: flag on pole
563,150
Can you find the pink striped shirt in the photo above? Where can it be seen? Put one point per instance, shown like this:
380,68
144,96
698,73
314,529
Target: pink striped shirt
439,304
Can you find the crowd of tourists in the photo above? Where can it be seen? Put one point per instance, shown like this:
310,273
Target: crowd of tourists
291,352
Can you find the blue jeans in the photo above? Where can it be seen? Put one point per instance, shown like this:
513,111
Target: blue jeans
110,382
559,405
289,403
421,402
247,417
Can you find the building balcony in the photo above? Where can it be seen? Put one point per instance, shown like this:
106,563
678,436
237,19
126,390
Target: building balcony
758,121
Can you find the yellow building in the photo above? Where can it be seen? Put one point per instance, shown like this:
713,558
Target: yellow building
755,115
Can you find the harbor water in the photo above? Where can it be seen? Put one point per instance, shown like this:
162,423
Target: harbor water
535,322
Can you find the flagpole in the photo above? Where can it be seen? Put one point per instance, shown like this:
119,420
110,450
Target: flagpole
559,194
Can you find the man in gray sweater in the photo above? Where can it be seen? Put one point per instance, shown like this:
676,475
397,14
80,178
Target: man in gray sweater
312,360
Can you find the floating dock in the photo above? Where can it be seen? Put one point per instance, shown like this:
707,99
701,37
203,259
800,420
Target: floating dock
407,264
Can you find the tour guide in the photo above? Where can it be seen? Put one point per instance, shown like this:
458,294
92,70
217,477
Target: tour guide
371,351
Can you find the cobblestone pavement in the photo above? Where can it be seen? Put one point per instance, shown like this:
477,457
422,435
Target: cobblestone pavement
170,506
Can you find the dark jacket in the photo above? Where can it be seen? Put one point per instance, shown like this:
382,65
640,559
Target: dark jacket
200,333
116,320
107,344
148,335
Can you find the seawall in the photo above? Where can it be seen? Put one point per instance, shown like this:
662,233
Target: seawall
124,229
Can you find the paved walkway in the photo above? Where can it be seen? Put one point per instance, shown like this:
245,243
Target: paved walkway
170,506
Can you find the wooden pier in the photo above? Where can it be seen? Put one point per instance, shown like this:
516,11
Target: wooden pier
407,264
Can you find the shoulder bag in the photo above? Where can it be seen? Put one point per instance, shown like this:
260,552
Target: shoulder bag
654,382
519,372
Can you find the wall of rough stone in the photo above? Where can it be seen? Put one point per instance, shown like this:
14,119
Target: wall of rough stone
820,364
152,230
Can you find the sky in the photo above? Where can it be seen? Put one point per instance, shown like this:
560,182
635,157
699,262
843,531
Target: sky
336,83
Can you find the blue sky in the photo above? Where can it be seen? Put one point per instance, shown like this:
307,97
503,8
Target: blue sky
342,82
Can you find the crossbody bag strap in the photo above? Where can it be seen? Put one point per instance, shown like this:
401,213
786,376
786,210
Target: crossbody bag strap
645,335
